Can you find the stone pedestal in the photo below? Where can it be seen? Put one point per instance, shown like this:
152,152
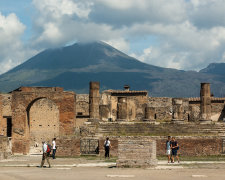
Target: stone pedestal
136,152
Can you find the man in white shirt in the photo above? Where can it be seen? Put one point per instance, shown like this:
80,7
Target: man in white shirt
53,148
45,155
107,146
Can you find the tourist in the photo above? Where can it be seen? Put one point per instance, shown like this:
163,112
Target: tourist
107,146
168,148
174,147
53,148
46,154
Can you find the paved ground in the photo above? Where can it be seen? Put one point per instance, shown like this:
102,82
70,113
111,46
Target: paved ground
16,168
32,173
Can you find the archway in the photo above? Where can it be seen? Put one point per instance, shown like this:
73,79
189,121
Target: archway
43,122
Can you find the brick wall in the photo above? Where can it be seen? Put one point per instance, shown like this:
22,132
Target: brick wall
68,146
189,146
193,146
136,152
113,150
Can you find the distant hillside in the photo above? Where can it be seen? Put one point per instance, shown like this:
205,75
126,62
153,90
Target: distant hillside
72,67
214,68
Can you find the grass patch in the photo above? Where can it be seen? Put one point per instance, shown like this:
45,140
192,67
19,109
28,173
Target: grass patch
197,158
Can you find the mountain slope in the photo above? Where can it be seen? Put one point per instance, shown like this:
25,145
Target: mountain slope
72,67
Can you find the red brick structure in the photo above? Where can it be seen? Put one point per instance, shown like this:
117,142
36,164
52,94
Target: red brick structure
22,101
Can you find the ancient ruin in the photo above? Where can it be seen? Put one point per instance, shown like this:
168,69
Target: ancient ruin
80,122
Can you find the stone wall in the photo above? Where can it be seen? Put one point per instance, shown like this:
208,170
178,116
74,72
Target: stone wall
194,108
44,123
82,104
114,148
163,107
122,106
162,129
217,111
136,152
189,146
193,146
5,112
4,148
24,98
68,146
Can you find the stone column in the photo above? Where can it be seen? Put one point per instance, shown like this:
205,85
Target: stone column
150,114
122,109
178,111
205,107
104,112
94,99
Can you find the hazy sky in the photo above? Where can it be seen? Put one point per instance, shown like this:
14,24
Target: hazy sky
182,34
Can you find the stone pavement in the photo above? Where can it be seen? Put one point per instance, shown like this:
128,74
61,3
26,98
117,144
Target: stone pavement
35,160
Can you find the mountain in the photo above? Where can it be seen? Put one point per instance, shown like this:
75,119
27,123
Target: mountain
72,67
214,68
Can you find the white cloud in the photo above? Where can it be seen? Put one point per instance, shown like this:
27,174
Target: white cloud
120,44
188,34
58,8
12,50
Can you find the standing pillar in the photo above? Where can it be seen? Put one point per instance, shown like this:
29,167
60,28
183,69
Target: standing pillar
205,107
150,114
122,109
178,111
94,99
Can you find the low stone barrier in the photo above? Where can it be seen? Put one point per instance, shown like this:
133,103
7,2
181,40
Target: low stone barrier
136,152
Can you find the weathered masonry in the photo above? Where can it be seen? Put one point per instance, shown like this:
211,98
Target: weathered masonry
80,122
30,115
136,106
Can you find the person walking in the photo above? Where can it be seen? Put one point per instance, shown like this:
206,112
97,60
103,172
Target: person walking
46,154
168,148
174,147
107,146
53,148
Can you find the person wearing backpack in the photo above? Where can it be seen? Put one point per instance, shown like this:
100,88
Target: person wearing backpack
46,154
175,148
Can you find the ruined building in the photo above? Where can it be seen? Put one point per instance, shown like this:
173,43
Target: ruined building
30,115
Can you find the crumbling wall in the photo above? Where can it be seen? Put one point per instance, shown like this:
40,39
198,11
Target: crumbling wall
132,110
5,112
5,151
193,146
44,123
217,111
163,108
68,146
194,109
82,104
114,146
136,152
22,101
82,109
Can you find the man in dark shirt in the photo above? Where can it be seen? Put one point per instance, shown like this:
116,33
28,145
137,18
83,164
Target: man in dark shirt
174,147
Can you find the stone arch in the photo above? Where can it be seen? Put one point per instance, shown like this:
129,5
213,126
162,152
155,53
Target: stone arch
43,122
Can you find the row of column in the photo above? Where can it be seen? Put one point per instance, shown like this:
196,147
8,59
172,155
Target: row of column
178,110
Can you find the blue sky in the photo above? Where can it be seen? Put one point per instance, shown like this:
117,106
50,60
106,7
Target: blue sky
181,34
